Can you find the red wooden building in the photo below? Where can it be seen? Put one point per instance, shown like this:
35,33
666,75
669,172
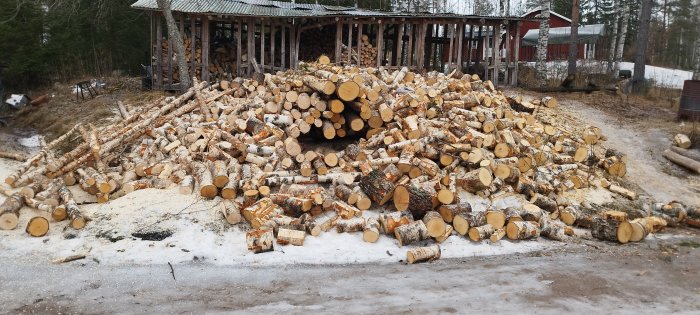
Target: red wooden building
554,51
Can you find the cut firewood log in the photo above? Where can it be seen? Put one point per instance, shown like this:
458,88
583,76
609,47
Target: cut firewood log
686,162
448,212
293,206
475,180
231,211
692,154
522,230
410,233
260,212
416,199
434,223
377,187
512,214
321,223
693,218
422,254
479,233
496,218
77,221
345,211
207,188
392,220
371,230
623,191
673,212
463,221
611,230
682,141
348,91
260,241
444,236
641,227
289,236
354,224
568,215
497,235
37,226
187,185
555,230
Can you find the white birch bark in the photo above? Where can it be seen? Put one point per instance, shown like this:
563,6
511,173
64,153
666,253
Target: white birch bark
613,36
621,39
541,65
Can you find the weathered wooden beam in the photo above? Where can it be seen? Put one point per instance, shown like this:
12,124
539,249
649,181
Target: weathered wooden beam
349,41
380,44
250,47
205,48
262,45
239,50
359,43
517,54
451,31
460,45
399,42
496,52
283,45
193,44
272,45
507,56
485,53
158,72
338,39
409,49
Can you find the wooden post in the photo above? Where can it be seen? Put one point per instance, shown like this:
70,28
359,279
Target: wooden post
430,51
508,56
470,46
486,53
399,42
193,36
460,46
262,45
205,48
359,42
423,31
239,50
496,53
452,40
349,42
380,44
272,45
338,39
158,73
517,54
283,46
297,41
409,51
250,46
170,60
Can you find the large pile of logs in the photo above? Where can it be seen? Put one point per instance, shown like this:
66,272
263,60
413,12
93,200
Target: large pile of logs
424,140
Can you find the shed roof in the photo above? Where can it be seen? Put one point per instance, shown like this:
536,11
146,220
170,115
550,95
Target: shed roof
271,8
550,12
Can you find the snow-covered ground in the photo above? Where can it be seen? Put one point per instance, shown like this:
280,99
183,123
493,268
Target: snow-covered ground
663,77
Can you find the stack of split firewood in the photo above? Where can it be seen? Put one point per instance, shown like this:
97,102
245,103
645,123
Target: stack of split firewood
424,145
168,58
367,56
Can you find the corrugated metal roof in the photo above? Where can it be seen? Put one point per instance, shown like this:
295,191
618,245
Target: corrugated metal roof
281,9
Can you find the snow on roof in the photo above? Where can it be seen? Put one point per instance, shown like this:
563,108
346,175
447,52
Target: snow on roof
560,35
550,12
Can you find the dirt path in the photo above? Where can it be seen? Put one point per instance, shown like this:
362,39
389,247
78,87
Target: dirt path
658,276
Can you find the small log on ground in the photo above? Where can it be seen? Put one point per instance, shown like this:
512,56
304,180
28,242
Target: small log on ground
422,254
522,230
391,221
496,218
410,233
289,236
377,187
413,198
231,211
260,241
611,230
371,230
37,226
682,141
686,162
434,223
355,224
448,212
479,233
9,211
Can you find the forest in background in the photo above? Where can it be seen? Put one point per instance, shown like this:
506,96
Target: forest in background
44,41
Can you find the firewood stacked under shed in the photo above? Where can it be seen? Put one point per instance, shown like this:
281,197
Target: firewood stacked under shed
424,142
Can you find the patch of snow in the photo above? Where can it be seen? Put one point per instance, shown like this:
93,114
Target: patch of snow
31,142
663,77
198,230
